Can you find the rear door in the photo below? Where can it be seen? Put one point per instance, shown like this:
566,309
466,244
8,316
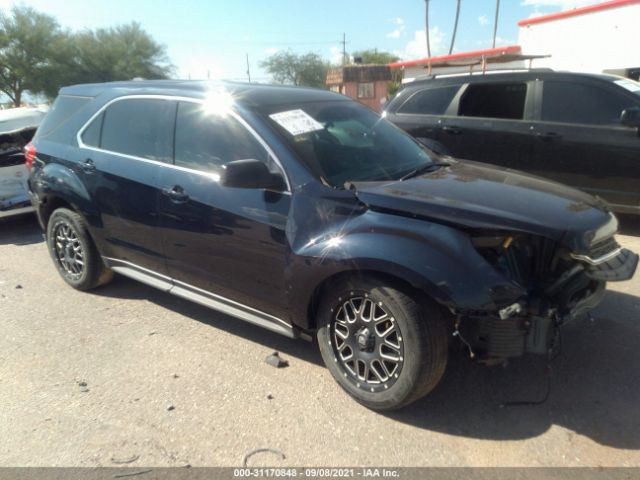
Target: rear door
119,159
229,242
490,122
580,141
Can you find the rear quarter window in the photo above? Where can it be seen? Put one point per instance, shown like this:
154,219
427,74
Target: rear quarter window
430,101
61,111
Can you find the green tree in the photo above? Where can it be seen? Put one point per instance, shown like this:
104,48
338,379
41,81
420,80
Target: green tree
107,54
27,43
372,55
120,53
289,68
37,56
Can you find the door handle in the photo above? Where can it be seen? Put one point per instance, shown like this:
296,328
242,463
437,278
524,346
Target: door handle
548,136
176,194
88,166
452,130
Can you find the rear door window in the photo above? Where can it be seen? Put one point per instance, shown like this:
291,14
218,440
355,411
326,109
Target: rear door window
570,102
494,100
205,141
141,127
431,101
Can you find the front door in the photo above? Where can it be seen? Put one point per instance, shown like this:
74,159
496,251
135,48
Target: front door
225,241
581,142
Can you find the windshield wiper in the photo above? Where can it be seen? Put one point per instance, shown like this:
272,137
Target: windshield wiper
428,167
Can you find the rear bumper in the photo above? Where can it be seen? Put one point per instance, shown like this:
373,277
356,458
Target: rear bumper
36,204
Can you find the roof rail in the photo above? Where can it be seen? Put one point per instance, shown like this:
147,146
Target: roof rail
479,73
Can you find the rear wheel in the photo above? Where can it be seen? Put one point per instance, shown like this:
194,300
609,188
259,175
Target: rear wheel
73,251
383,347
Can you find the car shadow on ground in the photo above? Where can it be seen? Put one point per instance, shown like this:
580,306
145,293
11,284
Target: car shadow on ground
20,230
122,287
595,383
595,386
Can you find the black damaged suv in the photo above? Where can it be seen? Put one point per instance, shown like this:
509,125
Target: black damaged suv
305,213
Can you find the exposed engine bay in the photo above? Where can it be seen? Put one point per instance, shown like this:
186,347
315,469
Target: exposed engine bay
560,286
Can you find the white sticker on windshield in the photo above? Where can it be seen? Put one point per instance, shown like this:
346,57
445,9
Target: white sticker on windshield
296,122
629,85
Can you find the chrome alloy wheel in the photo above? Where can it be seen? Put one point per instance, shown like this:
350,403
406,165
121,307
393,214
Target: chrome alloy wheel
68,250
367,343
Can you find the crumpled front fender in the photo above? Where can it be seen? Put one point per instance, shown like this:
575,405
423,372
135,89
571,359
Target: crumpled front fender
436,259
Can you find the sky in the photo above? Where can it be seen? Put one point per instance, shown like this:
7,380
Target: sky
211,38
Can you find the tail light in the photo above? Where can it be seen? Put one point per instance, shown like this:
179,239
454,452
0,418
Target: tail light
29,154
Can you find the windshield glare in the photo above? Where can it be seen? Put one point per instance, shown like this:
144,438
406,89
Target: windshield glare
350,143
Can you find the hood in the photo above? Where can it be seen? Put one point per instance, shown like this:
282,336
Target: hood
475,195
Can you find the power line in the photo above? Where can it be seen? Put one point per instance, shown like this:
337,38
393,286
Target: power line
289,43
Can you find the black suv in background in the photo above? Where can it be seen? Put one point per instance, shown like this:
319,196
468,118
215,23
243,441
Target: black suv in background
578,129
303,212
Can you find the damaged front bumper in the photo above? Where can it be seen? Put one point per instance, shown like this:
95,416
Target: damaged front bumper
531,325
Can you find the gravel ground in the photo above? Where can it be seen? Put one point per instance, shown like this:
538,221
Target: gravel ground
130,374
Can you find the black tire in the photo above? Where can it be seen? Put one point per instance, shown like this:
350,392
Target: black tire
422,346
73,251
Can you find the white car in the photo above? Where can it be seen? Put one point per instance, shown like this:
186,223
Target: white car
17,126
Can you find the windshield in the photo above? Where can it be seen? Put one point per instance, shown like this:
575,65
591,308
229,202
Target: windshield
345,142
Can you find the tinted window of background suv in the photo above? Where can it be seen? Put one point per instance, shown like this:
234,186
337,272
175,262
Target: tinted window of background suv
431,101
495,100
141,127
581,103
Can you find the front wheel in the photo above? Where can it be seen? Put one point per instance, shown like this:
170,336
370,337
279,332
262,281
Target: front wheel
385,348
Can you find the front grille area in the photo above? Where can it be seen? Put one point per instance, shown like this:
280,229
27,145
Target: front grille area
530,262
603,248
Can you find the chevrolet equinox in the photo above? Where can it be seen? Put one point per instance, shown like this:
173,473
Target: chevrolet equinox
305,213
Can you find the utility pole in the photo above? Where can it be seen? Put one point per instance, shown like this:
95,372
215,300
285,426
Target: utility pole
344,49
248,69
495,23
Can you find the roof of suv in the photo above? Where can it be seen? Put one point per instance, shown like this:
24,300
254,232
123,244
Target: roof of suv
248,94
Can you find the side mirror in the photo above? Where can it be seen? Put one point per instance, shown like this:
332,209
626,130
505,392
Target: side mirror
250,173
630,117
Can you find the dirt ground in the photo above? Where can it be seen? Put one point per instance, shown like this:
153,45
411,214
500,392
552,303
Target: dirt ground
130,374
